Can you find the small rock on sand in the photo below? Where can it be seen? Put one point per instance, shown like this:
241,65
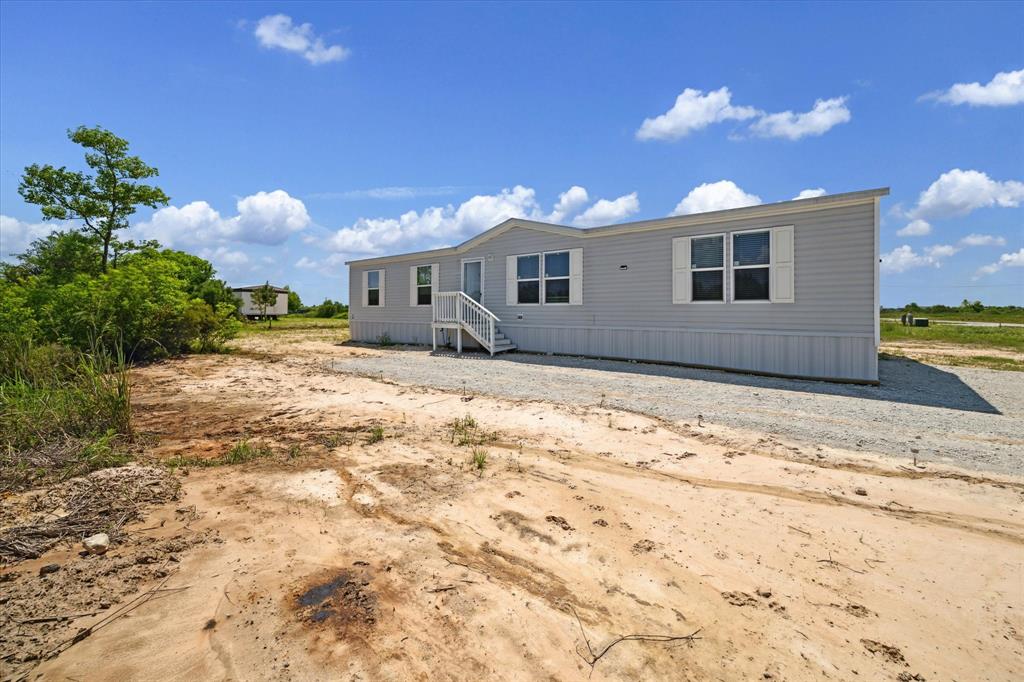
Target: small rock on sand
97,544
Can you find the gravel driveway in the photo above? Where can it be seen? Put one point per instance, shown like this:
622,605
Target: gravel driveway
969,417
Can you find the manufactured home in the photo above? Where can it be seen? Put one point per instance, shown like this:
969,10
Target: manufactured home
251,310
788,289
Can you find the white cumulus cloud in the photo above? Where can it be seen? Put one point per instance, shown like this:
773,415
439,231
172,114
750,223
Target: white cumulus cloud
715,196
1005,89
306,263
692,111
268,217
811,193
940,251
1007,260
263,218
825,115
916,228
437,225
225,258
904,258
605,212
569,202
277,31
983,240
959,192
16,235
445,225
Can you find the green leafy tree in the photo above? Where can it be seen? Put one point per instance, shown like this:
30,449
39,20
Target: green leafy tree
330,308
150,306
102,200
294,302
263,297
216,292
57,258
211,327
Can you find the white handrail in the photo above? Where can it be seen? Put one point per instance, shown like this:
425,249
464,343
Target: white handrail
457,307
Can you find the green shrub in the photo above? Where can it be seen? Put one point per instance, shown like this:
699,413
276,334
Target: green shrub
329,308
211,328
376,435
152,304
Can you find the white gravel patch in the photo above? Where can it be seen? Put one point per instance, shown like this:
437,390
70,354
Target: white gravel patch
968,417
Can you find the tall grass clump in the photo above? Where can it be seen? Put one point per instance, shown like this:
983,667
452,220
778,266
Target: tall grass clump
376,435
466,431
479,460
63,412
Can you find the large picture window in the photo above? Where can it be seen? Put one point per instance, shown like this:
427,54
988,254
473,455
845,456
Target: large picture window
556,277
751,265
528,279
707,265
373,288
424,285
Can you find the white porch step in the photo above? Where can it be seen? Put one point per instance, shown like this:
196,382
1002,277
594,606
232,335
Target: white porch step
456,310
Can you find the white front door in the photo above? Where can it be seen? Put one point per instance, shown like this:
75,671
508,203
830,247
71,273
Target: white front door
473,279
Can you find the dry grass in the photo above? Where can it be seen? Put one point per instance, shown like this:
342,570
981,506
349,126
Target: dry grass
102,502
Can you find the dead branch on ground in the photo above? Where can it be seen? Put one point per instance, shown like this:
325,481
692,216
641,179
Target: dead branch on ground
833,562
593,656
103,502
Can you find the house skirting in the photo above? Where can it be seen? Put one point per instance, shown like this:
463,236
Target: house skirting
828,356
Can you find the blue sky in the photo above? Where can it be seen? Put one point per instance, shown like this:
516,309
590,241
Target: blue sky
292,136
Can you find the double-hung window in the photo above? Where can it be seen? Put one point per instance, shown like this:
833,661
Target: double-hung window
549,278
707,268
556,277
528,279
751,265
424,285
373,288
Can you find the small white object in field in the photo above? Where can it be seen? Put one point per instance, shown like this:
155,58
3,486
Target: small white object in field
97,544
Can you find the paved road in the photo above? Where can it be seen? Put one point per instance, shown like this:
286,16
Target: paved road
958,415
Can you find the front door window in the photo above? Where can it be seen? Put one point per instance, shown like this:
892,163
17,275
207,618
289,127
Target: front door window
472,280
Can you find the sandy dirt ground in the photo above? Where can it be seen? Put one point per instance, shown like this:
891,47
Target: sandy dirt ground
933,351
370,547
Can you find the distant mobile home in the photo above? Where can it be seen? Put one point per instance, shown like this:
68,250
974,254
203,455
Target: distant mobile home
249,309
788,289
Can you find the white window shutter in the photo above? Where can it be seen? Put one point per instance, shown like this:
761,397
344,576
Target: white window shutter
511,281
575,276
366,293
381,289
435,283
783,265
412,285
681,270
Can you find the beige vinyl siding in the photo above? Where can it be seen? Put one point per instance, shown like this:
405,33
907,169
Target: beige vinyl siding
833,279
280,307
833,294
